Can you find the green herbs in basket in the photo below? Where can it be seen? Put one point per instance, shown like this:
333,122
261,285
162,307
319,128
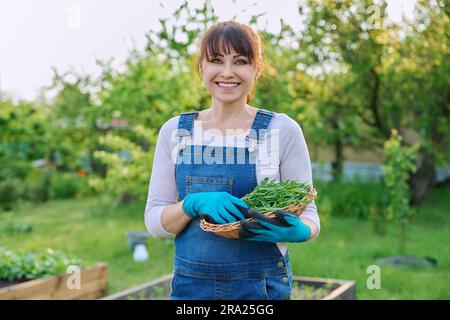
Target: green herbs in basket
271,195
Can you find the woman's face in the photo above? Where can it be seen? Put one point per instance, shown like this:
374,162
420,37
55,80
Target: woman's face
228,77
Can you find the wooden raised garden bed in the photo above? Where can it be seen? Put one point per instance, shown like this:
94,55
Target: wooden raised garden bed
93,285
304,288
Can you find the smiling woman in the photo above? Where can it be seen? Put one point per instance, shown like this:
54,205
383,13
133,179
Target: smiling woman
192,180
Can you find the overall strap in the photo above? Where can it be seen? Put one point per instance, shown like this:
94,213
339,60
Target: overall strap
185,127
260,125
185,124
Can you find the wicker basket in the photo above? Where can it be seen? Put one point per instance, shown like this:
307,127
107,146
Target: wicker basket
231,230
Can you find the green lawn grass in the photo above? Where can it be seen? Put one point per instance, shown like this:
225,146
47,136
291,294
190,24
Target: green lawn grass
89,229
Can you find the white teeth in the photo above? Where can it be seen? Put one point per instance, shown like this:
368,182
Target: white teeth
227,85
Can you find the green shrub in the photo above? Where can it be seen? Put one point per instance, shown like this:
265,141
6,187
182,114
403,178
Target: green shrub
11,191
14,168
349,198
12,187
67,185
38,185
126,179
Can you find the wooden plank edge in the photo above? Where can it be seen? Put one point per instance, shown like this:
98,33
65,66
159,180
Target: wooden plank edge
28,289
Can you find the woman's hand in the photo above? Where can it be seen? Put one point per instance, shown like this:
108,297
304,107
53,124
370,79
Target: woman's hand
288,229
215,207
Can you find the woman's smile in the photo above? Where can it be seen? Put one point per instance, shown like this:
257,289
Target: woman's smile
228,85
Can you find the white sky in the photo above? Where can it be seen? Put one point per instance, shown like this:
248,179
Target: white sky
36,35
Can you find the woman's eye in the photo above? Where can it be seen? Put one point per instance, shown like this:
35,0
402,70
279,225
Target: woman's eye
240,61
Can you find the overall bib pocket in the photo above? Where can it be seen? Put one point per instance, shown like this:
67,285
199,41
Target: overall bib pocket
196,184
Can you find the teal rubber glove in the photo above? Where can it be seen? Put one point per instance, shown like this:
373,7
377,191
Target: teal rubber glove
288,229
214,207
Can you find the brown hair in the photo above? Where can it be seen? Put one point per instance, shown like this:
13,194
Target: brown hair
223,36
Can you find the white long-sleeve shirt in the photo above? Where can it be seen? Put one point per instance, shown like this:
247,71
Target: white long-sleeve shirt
282,156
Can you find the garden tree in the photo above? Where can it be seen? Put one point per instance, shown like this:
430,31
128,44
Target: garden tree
177,42
356,35
328,114
82,128
128,164
275,88
72,133
397,169
147,92
306,88
145,95
419,78
23,137
23,126
286,87
278,88
177,39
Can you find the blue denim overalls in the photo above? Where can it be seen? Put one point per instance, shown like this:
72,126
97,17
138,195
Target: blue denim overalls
211,267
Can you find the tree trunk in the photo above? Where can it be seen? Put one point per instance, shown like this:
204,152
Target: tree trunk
337,164
402,237
423,180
